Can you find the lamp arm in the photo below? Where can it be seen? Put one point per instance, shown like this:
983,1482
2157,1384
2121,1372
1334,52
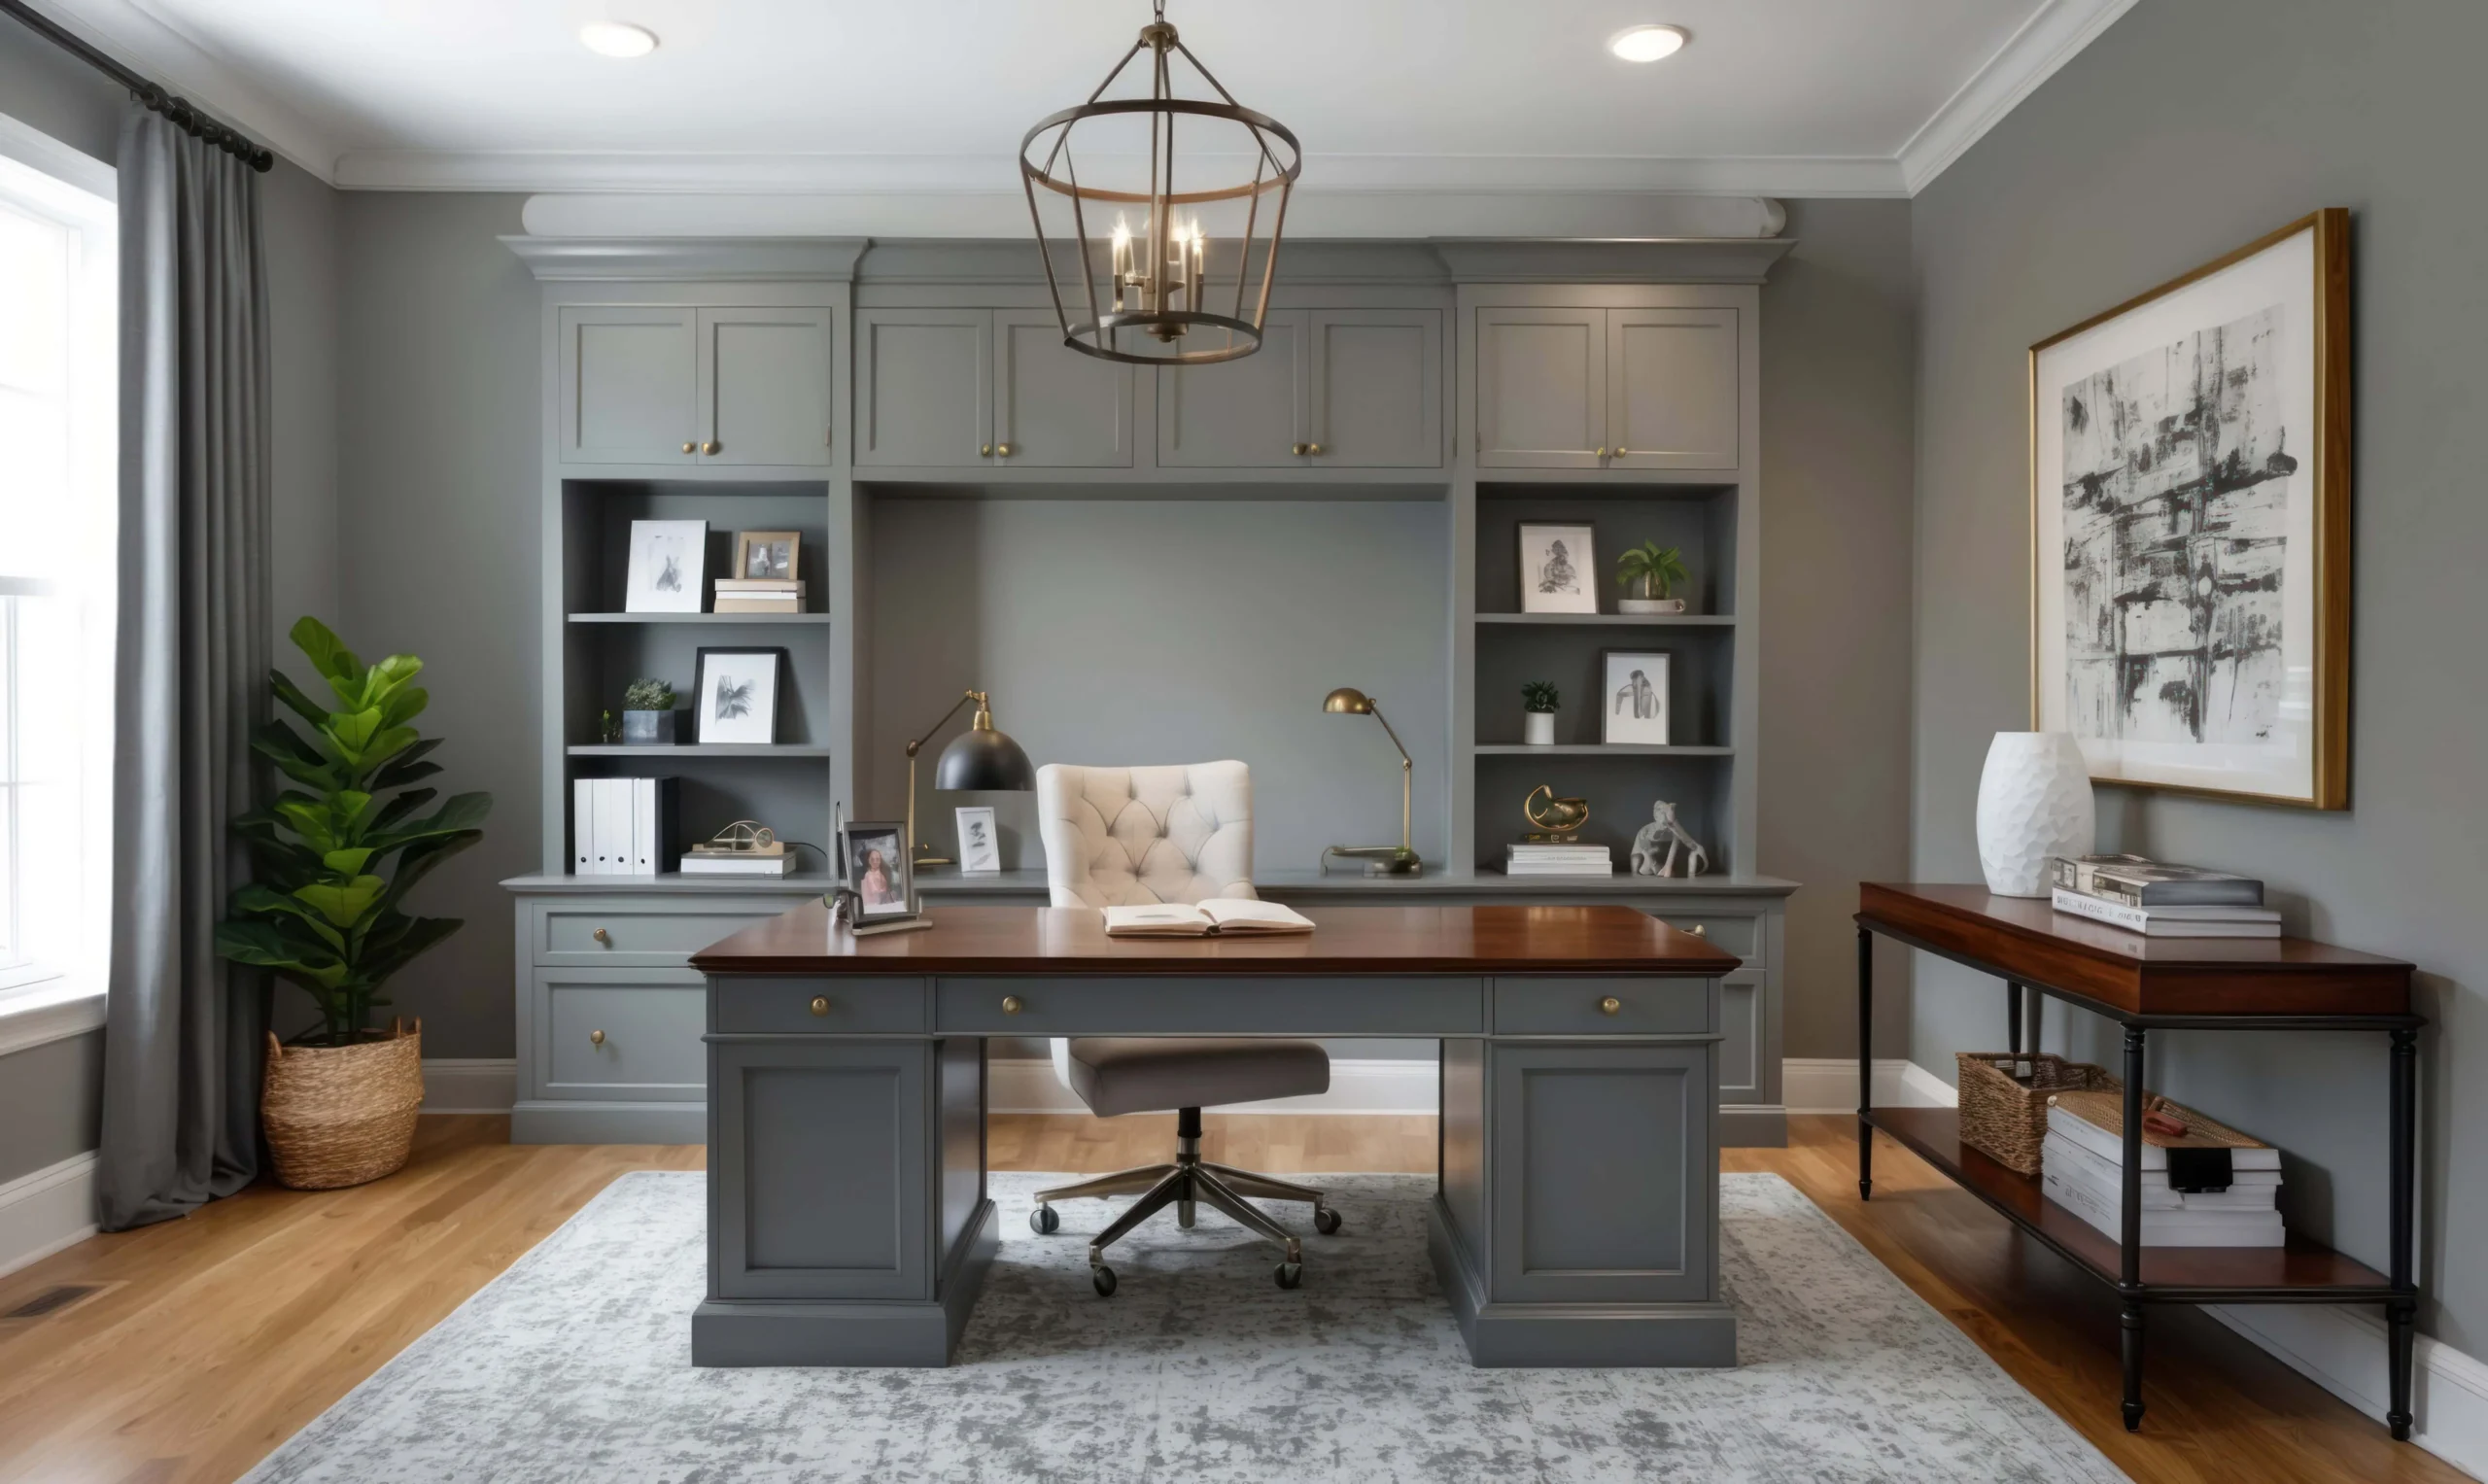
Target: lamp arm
1407,767
916,844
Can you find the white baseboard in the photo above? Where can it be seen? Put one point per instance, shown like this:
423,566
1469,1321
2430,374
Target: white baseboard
2342,1350
1829,1084
44,1212
1029,1086
470,1085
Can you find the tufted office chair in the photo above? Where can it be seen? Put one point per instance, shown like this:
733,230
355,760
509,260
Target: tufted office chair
1118,836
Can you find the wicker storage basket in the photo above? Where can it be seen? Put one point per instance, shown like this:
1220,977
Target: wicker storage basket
343,1114
2004,1101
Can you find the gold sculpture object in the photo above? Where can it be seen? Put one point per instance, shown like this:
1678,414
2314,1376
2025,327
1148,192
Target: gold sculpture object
1559,821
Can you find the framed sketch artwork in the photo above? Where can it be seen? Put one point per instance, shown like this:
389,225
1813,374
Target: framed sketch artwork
668,570
736,699
1558,568
2190,493
980,842
1633,697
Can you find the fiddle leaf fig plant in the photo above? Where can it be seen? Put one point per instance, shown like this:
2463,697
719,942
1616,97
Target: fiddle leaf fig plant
1656,568
1538,696
324,913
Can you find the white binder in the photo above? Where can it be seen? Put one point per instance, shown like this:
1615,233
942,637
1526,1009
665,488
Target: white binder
583,827
613,826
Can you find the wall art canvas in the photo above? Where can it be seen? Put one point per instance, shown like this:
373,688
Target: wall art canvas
2190,516
668,568
1558,568
738,695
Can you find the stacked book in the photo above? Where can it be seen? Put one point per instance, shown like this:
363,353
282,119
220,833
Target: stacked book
1573,859
2160,900
768,860
2210,1187
760,595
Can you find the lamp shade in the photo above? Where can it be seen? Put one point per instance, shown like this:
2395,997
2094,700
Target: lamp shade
984,759
1347,700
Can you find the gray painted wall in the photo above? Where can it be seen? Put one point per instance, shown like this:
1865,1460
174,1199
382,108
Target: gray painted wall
2181,133
51,1103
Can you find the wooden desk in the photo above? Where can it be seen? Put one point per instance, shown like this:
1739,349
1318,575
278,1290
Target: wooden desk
2145,984
848,1221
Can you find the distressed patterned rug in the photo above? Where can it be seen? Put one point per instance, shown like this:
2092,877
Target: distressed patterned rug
575,1365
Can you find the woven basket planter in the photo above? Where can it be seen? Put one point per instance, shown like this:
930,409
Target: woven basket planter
2004,1101
343,1114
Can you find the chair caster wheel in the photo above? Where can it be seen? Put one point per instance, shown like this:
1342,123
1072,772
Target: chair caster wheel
1288,1274
1104,1278
1326,1220
1044,1221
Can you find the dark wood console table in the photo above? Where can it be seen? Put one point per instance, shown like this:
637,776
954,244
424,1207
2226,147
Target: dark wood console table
2146,984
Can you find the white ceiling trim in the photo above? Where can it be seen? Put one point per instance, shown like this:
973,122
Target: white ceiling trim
2045,41
148,46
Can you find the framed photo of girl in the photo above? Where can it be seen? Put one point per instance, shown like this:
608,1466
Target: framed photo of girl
872,862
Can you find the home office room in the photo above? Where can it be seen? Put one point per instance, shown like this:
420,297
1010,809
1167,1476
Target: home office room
1076,741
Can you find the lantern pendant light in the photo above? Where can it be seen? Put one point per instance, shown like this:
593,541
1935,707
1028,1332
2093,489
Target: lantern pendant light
1160,269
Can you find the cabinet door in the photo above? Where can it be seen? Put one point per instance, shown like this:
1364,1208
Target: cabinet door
605,1035
1542,388
628,384
1240,414
827,1143
765,385
1377,389
1671,387
1053,406
1605,1173
925,387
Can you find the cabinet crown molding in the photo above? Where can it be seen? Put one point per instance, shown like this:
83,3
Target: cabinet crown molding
688,259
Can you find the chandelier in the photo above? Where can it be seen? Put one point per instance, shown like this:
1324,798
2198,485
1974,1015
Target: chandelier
1163,270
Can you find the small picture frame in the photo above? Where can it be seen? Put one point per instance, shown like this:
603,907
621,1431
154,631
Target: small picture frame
980,845
1633,697
872,863
767,555
1558,568
668,570
736,699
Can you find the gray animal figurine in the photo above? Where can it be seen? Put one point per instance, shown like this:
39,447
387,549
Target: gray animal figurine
1664,830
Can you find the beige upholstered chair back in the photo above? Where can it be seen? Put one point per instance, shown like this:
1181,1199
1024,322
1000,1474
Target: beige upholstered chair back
1118,836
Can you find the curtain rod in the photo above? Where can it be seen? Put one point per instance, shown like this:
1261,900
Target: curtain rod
151,95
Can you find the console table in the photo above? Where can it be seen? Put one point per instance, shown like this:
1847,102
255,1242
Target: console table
1577,1222
2146,984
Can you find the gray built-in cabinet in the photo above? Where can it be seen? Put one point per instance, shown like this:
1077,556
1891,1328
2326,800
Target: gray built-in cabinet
803,383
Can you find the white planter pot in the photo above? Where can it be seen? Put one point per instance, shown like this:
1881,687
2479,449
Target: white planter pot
1649,604
1538,728
2034,801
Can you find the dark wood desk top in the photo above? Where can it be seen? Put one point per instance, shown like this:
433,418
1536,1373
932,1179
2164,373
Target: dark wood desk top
2025,937
1346,940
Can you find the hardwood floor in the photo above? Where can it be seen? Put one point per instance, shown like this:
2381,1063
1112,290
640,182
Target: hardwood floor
209,1340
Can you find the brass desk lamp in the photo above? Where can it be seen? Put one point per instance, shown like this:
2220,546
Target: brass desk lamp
1380,860
979,758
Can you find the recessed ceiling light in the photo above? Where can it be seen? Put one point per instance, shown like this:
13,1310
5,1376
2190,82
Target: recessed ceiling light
1646,44
615,38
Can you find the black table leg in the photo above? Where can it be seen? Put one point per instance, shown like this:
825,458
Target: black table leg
2129,1232
1865,1063
2401,1314
2013,1015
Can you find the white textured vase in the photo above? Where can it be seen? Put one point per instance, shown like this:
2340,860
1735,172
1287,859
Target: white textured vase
1538,728
2034,801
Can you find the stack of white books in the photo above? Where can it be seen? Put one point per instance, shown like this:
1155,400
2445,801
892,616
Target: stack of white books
760,595
779,862
2080,1162
2160,900
1558,860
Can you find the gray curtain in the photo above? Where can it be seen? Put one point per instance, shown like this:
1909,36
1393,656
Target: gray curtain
181,1045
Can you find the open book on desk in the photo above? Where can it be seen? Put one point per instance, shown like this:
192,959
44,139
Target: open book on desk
1219,916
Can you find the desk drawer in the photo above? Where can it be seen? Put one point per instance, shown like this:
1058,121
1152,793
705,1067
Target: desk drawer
1211,1005
1738,933
1574,1007
622,1035
639,934
795,1004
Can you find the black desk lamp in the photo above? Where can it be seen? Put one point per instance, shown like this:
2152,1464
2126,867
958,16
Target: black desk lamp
1381,860
979,758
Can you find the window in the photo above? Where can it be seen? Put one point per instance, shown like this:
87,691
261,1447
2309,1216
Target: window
58,461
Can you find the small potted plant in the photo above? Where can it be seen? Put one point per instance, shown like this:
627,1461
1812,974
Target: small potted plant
1539,700
648,714
1647,574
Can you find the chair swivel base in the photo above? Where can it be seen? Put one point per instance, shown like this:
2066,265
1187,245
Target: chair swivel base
1191,1179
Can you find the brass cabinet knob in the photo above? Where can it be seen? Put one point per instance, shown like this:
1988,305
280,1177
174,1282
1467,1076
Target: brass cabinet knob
711,446
690,448
1004,449
985,452
1609,1006
1312,448
1298,449
603,937
595,1038
1011,1004
1621,450
1602,450
1701,930
820,1004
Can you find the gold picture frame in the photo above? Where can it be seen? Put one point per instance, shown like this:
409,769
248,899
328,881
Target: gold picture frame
2146,340
780,553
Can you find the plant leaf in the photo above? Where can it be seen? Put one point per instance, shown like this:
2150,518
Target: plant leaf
405,767
342,902
462,812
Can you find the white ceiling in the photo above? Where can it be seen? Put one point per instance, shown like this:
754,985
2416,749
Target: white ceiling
1784,97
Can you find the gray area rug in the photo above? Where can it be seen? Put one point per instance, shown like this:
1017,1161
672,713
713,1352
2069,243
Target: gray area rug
575,1365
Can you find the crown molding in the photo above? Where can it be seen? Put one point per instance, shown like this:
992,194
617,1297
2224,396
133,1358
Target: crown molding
2045,41
743,259
144,42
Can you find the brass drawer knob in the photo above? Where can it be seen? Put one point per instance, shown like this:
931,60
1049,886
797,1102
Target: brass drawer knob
1602,451
1621,450
711,446
1004,449
595,1038
690,448
1609,1006
985,451
820,1004
1011,1004
1300,449
1701,930
603,937
1313,448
